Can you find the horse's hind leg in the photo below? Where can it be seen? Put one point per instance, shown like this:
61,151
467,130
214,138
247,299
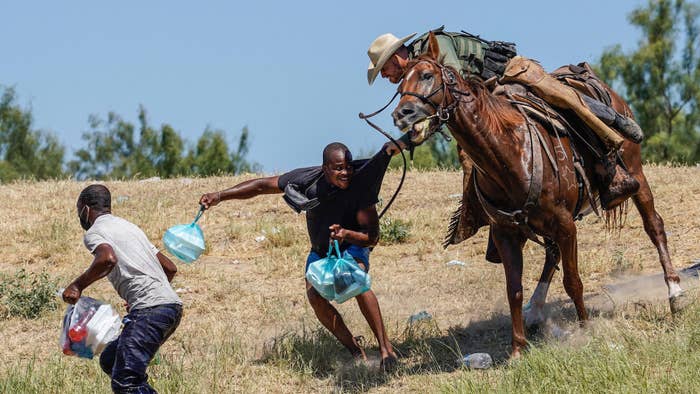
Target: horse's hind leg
654,227
566,239
534,310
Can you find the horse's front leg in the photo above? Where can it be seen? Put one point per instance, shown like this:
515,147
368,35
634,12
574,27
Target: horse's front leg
509,243
534,310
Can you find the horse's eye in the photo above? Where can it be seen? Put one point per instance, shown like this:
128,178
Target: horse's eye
427,76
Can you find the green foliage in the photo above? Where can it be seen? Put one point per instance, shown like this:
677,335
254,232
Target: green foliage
26,295
113,151
110,145
394,231
661,78
25,152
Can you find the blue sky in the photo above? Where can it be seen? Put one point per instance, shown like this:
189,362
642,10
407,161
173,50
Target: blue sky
294,72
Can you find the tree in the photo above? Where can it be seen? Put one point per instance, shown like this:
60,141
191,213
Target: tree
110,145
113,152
24,152
211,156
661,78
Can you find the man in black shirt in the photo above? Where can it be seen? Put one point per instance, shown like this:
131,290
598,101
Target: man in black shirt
339,198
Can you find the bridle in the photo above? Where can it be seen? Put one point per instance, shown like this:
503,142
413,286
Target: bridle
442,113
448,87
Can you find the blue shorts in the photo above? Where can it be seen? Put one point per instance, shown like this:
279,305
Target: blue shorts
358,252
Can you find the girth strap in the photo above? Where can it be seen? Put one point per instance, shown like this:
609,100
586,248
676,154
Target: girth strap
519,217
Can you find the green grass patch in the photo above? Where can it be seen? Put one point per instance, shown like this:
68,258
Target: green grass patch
394,231
26,294
645,353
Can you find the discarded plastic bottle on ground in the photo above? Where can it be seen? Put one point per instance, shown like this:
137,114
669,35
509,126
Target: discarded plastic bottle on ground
422,315
477,361
79,330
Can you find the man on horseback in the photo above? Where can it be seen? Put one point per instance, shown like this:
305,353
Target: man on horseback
494,61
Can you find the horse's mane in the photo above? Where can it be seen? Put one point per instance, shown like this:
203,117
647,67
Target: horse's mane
495,113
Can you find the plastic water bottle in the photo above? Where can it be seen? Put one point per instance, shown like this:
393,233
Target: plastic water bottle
79,330
81,349
477,361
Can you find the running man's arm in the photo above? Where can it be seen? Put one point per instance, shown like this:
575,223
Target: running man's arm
105,260
243,190
168,266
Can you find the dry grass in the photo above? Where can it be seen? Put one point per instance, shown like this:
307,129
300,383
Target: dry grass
247,325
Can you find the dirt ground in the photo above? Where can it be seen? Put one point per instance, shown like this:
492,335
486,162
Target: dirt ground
253,291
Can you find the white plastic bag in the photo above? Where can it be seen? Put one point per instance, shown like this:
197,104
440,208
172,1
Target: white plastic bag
88,326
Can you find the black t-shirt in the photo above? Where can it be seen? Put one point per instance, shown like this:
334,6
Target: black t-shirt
337,206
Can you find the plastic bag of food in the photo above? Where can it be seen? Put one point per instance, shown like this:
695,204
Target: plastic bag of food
349,280
88,326
185,241
337,277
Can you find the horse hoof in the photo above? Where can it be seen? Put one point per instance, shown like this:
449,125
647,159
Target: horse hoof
679,303
515,356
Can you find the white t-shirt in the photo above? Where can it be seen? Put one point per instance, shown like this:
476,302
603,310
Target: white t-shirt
138,276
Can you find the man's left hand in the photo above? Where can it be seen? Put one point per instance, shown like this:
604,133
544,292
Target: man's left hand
337,233
391,149
71,294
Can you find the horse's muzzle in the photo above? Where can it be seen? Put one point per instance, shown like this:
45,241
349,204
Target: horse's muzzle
407,114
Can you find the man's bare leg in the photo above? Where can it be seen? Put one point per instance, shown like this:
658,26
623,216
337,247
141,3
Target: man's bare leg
331,319
369,306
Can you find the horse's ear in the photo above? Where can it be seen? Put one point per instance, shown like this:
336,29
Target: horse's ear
433,50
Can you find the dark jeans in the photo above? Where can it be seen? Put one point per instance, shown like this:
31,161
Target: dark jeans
126,358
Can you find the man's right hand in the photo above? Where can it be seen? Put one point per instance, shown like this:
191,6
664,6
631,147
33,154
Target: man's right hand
210,199
391,149
71,294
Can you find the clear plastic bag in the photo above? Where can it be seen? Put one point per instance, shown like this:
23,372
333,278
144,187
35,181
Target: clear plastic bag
349,279
338,277
185,241
88,326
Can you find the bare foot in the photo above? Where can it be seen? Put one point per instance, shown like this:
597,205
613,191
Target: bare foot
388,363
358,353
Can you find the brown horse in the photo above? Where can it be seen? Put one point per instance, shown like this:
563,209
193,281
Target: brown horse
507,150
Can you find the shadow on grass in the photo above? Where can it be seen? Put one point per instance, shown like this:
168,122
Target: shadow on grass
423,348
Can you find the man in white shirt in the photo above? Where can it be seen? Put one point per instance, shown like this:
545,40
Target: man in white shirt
141,275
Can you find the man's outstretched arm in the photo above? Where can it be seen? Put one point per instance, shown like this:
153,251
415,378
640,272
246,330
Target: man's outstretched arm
101,266
243,190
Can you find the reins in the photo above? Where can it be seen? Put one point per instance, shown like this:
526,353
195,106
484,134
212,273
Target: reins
443,114
387,135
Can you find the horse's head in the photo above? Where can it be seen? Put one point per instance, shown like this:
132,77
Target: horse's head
425,99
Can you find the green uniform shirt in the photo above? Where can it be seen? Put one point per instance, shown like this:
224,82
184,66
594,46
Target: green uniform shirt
464,54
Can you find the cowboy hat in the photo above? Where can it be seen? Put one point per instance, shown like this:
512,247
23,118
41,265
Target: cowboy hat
380,51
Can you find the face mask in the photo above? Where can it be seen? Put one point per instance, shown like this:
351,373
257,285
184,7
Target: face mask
84,222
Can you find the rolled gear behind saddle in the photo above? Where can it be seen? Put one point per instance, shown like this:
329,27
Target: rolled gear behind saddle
531,74
616,184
